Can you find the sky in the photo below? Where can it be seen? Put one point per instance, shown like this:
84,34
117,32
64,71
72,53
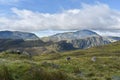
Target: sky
48,17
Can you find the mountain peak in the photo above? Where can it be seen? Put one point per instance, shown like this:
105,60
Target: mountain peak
17,35
71,35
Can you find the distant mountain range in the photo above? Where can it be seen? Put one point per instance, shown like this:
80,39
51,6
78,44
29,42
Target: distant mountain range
17,35
82,39
113,38
80,34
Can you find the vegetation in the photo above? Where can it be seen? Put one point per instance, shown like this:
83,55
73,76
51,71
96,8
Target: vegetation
56,67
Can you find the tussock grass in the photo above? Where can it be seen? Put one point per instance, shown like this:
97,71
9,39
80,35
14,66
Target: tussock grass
54,66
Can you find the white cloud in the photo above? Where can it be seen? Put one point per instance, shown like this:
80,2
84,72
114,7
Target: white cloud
98,16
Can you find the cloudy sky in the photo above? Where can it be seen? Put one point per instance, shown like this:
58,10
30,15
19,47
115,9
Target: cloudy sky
46,17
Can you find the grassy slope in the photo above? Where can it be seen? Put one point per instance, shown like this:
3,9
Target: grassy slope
56,67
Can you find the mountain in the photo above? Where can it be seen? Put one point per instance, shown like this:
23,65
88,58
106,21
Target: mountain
70,35
81,39
17,35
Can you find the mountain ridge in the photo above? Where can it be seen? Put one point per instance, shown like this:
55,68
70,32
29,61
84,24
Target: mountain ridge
80,34
18,35
81,39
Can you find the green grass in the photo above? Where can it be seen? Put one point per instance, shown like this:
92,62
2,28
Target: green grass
56,67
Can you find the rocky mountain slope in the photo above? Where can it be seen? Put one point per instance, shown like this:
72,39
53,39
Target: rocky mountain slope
89,42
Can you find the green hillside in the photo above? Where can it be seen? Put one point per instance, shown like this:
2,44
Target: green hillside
79,66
